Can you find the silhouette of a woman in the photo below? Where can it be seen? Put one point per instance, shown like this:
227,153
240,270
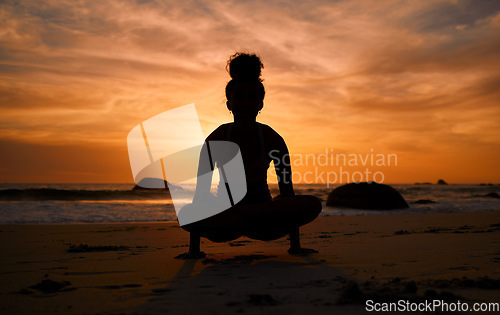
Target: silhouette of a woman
257,215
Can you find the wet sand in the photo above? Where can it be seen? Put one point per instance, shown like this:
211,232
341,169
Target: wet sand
130,268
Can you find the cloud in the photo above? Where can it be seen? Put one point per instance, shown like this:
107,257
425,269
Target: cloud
352,74
69,163
446,16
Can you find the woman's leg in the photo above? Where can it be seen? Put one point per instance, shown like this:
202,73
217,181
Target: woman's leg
222,227
273,220
308,207
263,221
194,247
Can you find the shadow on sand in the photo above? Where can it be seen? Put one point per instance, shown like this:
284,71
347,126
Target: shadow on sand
252,284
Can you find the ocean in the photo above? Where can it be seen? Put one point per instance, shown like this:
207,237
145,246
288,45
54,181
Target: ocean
108,203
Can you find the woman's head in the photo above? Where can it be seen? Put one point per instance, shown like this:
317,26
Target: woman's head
245,92
244,66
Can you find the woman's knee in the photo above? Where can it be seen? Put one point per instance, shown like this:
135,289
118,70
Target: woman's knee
310,203
310,208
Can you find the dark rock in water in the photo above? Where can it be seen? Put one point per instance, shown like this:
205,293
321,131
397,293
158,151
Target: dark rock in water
154,183
369,196
488,195
423,202
492,195
442,182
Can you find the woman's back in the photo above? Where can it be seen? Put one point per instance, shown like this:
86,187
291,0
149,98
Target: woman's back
258,144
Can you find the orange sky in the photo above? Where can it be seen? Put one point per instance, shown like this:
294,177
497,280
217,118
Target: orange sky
418,79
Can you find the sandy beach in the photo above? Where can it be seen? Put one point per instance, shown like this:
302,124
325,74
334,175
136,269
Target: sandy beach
130,268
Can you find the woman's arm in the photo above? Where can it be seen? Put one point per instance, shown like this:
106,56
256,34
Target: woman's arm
282,166
206,167
204,175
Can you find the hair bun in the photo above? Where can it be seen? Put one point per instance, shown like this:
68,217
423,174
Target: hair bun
244,66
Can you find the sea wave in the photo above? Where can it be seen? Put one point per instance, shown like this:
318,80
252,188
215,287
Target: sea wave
40,194
93,203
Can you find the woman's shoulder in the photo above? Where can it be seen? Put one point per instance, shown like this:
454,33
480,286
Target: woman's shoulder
270,133
219,133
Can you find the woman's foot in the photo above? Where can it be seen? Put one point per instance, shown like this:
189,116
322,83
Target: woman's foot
194,248
300,251
295,248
